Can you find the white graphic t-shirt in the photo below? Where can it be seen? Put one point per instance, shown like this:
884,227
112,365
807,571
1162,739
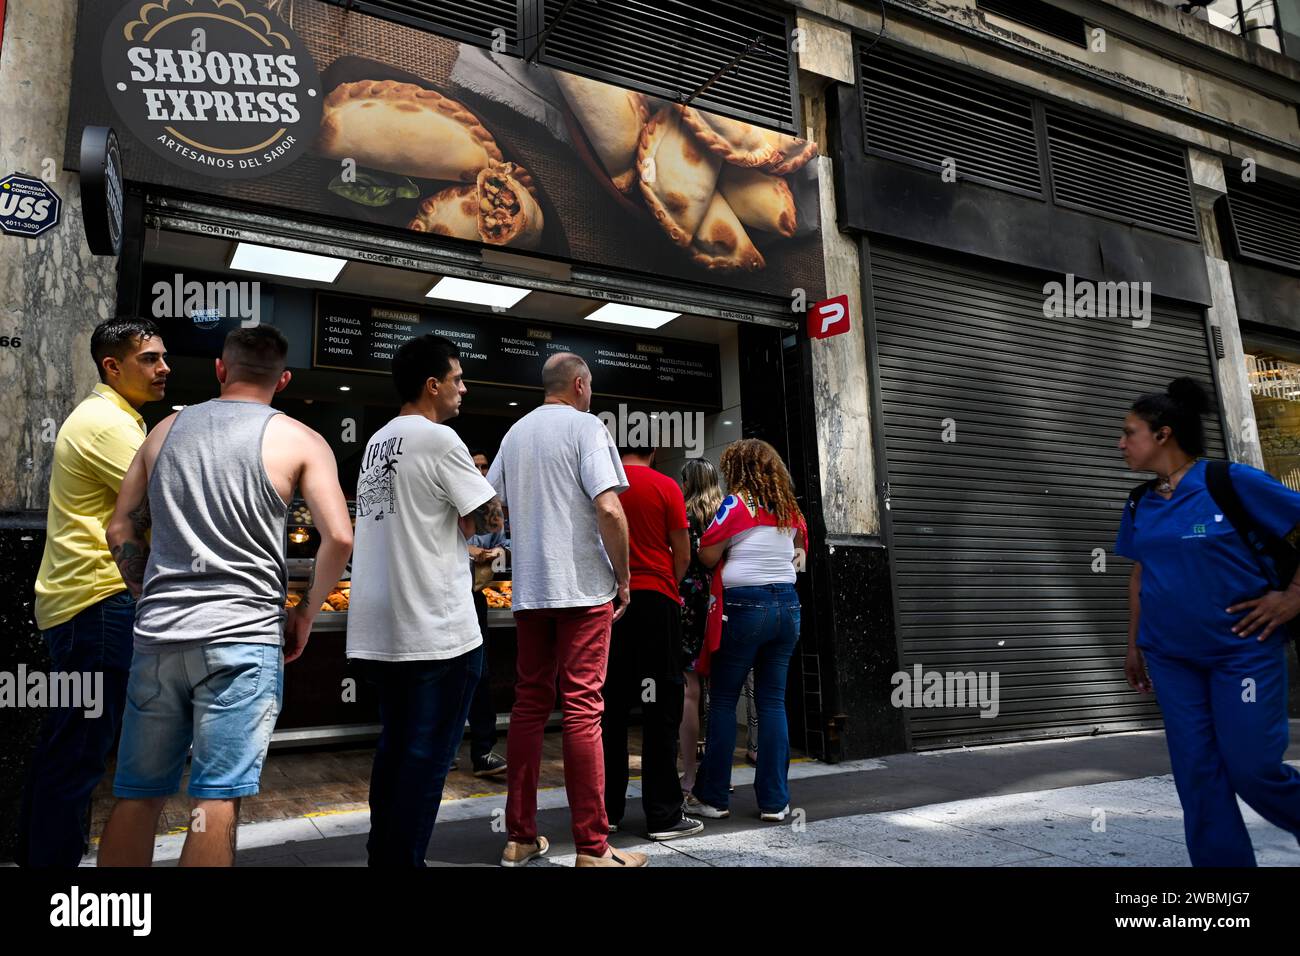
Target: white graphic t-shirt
410,578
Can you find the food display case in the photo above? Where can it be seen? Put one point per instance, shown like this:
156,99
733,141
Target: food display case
325,699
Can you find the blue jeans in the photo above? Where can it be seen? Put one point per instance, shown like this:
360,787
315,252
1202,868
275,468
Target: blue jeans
759,631
422,707
73,749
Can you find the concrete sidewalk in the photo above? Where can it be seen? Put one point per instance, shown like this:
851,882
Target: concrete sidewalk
1096,801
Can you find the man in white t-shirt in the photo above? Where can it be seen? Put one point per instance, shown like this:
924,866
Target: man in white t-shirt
412,629
559,473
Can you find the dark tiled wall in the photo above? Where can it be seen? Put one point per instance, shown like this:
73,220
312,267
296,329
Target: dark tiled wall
20,642
864,654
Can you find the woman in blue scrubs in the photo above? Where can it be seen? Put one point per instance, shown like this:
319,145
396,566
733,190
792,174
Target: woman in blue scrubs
1206,628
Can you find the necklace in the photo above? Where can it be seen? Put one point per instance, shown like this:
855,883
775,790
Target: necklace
1164,486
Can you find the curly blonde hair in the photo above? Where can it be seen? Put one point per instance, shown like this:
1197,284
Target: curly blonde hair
755,471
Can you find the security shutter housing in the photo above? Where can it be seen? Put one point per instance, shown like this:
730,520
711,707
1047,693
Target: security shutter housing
996,532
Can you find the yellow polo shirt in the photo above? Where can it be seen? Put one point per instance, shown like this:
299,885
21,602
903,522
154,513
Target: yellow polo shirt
93,450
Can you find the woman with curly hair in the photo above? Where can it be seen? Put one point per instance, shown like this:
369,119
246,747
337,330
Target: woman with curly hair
753,623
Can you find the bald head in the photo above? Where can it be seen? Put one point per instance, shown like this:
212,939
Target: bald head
561,371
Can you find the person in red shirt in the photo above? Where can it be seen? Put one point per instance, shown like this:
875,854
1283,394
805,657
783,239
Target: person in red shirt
645,650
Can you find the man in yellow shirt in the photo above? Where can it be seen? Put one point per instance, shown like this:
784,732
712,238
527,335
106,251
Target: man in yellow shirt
84,611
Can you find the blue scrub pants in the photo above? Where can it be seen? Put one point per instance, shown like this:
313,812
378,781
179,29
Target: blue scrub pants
1222,746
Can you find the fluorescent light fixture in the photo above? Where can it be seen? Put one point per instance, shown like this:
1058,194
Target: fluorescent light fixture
476,293
615,313
726,423
513,404
178,408
345,388
286,262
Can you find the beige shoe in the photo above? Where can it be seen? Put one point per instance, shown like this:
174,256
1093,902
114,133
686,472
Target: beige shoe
519,854
615,858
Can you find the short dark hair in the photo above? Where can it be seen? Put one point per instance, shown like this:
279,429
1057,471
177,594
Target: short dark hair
422,358
256,355
639,449
1180,407
116,337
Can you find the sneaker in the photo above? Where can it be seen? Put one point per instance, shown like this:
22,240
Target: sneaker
493,765
696,808
615,858
774,816
518,854
613,828
684,827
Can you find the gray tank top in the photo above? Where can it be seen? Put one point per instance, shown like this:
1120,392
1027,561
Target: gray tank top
216,570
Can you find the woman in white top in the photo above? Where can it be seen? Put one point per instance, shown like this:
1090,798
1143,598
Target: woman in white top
760,629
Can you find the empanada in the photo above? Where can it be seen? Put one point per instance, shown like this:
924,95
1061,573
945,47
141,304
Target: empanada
451,212
612,118
759,199
751,146
721,242
678,176
406,129
508,212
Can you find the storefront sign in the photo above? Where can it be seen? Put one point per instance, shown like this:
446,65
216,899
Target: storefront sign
102,195
28,207
360,335
218,87
829,318
414,133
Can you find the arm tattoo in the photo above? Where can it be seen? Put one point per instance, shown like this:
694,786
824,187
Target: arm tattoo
141,519
131,560
489,517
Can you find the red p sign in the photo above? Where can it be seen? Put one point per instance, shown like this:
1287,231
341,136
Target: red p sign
829,318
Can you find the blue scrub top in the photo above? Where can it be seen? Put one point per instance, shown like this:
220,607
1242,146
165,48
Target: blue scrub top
1194,563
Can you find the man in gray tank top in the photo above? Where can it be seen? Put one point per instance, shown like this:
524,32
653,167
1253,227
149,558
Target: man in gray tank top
213,482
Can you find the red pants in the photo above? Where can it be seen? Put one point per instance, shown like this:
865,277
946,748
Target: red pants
571,644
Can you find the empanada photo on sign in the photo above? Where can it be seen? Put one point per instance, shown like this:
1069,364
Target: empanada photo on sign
404,128
678,176
760,200
721,242
452,212
612,119
750,146
508,212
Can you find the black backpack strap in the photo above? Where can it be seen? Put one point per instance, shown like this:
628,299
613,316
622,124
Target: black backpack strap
1218,482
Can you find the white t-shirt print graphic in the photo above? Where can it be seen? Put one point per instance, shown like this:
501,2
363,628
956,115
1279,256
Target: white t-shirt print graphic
375,488
411,578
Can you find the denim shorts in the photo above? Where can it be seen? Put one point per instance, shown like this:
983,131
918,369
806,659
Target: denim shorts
221,698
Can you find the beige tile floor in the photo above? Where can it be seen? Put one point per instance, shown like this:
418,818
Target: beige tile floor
298,783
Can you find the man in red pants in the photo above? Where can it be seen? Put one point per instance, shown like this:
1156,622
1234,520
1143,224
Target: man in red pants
559,473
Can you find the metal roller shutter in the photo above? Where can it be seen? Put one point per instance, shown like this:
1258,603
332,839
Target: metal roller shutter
993,534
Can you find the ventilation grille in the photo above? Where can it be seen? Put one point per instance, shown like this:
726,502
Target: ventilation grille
1265,220
1042,17
472,21
1113,171
671,49
920,113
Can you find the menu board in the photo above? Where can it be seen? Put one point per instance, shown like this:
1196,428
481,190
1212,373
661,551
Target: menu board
361,335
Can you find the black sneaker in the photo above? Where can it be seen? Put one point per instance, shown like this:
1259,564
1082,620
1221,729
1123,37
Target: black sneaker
684,827
493,765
